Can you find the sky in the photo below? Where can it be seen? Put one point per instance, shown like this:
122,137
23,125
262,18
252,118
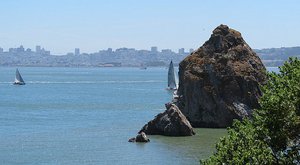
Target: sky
93,25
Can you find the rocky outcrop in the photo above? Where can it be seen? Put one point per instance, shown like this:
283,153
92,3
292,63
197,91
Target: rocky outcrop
141,137
169,123
220,81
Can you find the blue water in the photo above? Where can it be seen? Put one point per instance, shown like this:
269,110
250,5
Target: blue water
86,116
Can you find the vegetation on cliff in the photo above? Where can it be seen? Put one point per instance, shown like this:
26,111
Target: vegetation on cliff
272,136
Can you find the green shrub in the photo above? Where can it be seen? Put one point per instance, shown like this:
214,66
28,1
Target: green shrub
272,136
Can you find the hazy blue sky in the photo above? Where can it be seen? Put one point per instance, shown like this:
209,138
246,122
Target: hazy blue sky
92,25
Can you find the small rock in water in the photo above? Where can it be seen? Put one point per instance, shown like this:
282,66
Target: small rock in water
141,137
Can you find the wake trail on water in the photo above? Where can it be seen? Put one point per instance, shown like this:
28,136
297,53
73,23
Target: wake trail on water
87,82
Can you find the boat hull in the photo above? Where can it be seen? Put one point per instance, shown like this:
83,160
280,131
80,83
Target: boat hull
19,83
171,89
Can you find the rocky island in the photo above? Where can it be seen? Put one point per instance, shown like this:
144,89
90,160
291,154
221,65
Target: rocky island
219,82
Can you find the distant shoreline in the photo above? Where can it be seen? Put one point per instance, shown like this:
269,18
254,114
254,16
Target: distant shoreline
125,57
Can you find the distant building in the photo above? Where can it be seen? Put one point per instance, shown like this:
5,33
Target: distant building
11,50
166,51
181,51
77,52
125,49
20,49
109,50
38,49
41,51
153,49
28,50
1,50
191,50
46,52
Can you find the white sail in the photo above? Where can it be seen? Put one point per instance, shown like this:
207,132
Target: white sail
18,79
171,77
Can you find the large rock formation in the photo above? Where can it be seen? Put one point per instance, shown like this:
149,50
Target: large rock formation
220,81
170,123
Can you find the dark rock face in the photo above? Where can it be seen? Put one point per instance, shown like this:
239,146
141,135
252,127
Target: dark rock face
169,123
220,81
131,140
141,137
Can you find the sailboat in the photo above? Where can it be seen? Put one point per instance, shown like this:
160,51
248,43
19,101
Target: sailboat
171,78
18,79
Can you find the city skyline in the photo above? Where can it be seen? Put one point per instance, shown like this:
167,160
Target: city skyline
94,25
77,51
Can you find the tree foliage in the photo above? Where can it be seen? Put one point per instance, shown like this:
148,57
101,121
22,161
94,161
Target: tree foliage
272,135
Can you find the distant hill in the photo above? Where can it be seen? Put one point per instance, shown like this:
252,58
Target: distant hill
276,56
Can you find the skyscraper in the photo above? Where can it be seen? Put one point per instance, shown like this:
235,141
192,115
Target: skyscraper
109,50
181,51
1,50
38,49
153,49
20,49
77,52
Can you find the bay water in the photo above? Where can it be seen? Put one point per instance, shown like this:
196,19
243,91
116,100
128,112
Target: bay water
86,116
